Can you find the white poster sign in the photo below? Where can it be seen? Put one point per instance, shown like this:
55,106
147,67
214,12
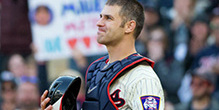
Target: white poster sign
60,26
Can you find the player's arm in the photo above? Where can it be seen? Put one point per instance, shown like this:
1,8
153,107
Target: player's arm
145,89
44,101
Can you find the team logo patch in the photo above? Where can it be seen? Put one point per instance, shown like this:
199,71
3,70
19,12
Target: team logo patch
150,102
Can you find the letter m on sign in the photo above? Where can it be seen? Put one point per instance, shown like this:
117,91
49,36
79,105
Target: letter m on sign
53,45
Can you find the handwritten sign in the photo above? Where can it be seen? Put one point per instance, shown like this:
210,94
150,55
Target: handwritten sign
60,26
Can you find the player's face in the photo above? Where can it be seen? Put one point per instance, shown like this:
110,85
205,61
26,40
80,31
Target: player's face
109,30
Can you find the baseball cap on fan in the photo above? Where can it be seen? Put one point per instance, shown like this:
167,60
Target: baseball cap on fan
208,76
7,76
203,18
7,81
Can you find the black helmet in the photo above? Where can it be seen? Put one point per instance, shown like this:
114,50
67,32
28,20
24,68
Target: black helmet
63,92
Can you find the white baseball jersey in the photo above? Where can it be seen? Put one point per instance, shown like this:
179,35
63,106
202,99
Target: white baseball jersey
139,89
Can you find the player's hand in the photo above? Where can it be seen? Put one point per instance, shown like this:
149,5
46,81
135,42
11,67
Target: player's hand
44,101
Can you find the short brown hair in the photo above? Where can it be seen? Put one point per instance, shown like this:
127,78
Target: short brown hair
131,10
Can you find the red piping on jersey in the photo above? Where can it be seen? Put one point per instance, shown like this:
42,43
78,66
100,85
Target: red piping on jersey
152,65
107,61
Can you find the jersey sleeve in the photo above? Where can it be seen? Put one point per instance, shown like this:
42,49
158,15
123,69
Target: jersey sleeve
145,90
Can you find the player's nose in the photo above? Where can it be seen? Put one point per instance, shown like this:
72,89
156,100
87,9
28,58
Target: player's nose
100,22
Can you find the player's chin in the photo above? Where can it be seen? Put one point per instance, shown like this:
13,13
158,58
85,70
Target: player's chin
100,40
100,36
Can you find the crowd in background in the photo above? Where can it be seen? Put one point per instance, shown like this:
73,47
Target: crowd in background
181,36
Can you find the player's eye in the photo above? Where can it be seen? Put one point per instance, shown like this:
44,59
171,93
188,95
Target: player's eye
109,17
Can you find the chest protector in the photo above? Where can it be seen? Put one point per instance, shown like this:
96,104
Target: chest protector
100,76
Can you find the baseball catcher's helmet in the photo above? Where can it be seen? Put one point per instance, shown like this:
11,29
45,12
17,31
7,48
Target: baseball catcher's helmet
63,93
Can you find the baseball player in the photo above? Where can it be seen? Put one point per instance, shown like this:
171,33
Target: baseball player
122,80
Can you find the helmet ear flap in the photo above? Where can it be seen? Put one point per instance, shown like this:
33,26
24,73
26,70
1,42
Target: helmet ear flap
64,89
70,97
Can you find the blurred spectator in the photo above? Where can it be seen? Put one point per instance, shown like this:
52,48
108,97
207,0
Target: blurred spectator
202,86
22,69
214,24
16,65
209,57
183,12
8,91
152,16
179,25
169,70
157,38
26,69
180,17
206,58
215,28
199,34
152,19
28,96
43,15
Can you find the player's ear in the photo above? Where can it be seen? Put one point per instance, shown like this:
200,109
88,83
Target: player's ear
130,26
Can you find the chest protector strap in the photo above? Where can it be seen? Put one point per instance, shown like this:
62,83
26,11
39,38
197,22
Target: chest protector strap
100,76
